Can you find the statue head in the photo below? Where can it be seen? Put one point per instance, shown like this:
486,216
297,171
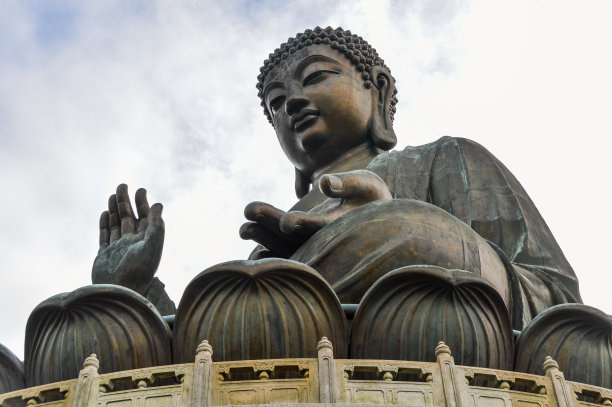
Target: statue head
326,92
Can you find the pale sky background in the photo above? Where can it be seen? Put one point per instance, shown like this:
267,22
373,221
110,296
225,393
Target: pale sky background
162,95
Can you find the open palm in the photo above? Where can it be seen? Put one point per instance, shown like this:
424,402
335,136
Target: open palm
130,247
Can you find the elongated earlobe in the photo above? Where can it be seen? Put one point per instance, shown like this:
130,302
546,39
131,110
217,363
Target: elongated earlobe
381,127
302,184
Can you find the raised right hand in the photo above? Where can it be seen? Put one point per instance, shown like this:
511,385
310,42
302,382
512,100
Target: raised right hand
130,247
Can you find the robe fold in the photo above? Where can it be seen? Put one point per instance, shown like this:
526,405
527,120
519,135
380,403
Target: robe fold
466,180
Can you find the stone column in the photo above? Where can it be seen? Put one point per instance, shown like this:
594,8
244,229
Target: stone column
201,375
447,372
563,394
85,393
327,372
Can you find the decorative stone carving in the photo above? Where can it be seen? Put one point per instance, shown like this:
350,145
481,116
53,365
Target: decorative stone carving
410,308
263,309
11,371
576,336
124,329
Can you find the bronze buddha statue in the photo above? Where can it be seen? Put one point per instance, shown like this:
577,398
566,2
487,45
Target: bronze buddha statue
434,242
331,100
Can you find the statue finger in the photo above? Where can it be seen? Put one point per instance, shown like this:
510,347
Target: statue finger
154,234
142,225
104,230
124,207
361,185
262,254
303,223
265,214
113,219
155,222
142,205
258,233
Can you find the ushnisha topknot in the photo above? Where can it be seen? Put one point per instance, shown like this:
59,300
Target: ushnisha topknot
353,47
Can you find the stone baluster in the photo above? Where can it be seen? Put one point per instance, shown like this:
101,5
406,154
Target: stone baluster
563,394
263,370
387,372
85,393
327,372
202,369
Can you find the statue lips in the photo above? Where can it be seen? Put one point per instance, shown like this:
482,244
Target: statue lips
304,119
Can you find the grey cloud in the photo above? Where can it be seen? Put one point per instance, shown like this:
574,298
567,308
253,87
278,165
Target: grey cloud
434,15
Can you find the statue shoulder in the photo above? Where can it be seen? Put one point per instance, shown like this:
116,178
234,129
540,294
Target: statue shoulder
465,147
408,172
410,153
426,150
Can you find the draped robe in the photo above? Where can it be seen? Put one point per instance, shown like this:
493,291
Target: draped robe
464,179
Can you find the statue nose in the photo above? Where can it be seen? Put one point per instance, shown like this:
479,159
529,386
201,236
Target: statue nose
294,104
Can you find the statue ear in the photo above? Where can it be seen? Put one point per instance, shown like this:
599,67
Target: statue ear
381,129
302,184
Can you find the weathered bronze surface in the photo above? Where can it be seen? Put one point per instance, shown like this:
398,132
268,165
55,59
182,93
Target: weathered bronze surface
113,322
131,248
406,307
323,80
577,336
11,371
356,250
330,100
271,308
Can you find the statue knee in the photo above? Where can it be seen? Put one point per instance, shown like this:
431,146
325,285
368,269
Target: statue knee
354,251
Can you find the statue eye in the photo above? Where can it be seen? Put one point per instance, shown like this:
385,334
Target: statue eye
276,104
317,77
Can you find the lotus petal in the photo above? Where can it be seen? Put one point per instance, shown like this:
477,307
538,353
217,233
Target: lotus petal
408,311
119,325
271,308
11,371
577,336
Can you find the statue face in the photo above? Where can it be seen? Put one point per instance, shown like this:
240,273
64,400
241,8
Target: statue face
319,106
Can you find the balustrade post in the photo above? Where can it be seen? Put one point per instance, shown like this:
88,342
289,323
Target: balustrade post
327,372
85,393
202,375
563,394
452,394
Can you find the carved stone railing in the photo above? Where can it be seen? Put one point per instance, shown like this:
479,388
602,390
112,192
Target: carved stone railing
323,380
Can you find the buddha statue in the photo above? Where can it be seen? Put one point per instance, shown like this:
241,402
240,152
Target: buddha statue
331,100
433,242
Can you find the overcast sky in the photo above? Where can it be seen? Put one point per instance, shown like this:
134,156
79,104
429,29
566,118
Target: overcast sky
162,95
